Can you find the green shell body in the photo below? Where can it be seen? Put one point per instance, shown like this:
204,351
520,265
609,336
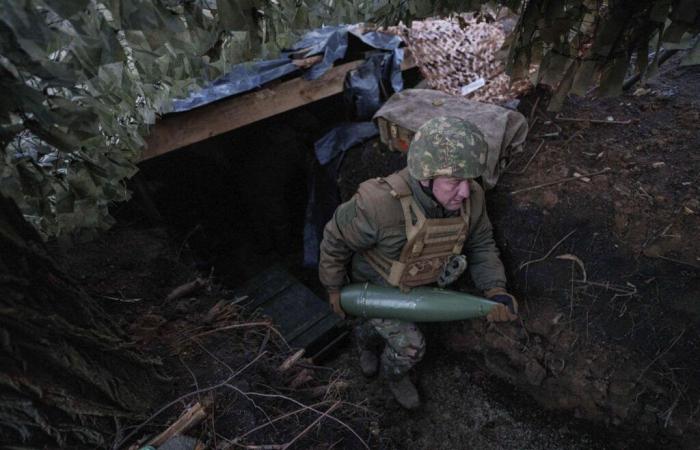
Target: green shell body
421,304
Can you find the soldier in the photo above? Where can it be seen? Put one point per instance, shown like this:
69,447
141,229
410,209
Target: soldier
418,226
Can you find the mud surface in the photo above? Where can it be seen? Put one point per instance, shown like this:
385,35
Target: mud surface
605,266
611,264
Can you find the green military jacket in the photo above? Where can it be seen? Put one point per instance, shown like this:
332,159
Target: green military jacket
373,218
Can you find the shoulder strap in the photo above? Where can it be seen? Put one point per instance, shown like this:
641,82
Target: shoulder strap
399,186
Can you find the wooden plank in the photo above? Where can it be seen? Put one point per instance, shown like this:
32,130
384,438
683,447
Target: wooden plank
179,130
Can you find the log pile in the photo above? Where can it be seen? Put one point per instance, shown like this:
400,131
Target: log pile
460,55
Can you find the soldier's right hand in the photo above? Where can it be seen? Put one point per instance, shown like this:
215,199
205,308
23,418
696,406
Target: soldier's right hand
334,300
506,309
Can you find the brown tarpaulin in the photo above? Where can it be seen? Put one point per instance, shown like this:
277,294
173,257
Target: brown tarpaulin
505,130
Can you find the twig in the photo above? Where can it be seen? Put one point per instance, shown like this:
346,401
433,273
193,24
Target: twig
194,377
123,300
670,410
314,366
546,135
335,419
527,263
563,180
264,341
577,260
187,420
625,291
289,362
242,325
571,138
247,397
242,369
313,424
674,342
277,419
186,289
666,258
571,295
548,120
524,169
181,398
532,112
576,119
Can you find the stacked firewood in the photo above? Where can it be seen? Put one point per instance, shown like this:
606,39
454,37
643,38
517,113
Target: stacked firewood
459,55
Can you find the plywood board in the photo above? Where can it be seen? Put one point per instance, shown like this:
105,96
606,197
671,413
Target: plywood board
180,130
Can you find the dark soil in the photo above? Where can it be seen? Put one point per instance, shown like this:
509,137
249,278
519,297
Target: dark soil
212,351
602,359
611,344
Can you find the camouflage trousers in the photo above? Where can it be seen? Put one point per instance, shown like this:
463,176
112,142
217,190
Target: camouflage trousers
403,344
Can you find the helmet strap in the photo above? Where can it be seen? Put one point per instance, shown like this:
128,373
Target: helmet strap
429,190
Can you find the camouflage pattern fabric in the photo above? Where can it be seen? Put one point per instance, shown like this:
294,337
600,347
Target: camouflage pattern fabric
403,344
447,146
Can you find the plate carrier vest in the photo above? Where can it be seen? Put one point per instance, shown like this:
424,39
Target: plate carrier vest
429,242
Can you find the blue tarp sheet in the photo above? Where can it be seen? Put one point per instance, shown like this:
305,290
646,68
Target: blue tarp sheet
323,188
365,90
332,42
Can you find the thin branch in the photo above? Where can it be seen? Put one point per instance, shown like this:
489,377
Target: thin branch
247,397
527,263
277,419
243,325
313,424
576,119
563,180
524,169
181,398
660,355
335,419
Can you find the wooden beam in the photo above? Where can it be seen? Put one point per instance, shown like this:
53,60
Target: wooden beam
179,130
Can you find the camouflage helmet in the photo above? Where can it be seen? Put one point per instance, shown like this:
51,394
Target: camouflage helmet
447,146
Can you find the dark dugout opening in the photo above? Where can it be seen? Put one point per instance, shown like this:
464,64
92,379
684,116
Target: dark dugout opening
237,202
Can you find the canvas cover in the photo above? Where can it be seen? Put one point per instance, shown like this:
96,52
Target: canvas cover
505,130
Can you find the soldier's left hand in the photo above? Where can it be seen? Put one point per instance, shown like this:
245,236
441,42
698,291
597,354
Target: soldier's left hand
506,310
334,300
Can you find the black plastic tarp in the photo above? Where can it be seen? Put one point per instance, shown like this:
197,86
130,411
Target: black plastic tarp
332,42
323,187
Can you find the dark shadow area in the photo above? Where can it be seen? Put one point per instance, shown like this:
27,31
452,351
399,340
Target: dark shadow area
237,201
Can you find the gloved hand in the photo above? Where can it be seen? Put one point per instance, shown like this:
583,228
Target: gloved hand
507,308
452,270
334,300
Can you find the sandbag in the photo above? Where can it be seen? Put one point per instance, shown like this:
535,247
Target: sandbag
505,130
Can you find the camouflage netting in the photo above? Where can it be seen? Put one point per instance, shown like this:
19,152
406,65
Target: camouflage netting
82,81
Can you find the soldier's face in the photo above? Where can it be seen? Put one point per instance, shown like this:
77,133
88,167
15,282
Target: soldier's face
451,192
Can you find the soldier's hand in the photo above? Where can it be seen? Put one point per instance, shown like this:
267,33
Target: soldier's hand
507,308
334,300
